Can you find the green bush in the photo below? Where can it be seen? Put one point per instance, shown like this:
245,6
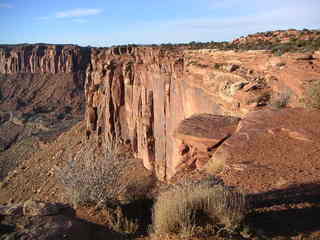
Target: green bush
198,207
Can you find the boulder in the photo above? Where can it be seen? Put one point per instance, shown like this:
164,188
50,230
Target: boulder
200,135
270,150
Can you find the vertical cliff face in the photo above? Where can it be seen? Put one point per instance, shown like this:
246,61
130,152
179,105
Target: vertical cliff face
33,76
139,96
43,59
132,96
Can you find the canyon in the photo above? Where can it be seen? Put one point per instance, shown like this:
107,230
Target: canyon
139,96
247,117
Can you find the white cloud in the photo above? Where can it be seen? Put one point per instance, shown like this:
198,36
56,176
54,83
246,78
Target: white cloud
79,12
5,5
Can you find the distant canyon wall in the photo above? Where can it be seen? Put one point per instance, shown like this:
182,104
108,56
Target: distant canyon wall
43,59
43,76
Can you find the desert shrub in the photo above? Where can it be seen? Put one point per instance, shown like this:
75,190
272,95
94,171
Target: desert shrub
197,207
281,100
94,177
100,178
312,95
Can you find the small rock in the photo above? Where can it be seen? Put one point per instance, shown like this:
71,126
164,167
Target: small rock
38,208
237,86
231,68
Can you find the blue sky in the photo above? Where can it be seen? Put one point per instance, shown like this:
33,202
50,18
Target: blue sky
105,23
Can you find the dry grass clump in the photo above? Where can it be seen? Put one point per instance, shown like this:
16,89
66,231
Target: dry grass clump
119,222
197,207
281,100
312,98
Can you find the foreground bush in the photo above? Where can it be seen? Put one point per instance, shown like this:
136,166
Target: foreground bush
107,179
198,207
95,177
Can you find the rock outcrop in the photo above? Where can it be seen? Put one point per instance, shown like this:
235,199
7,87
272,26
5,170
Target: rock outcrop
135,96
267,150
200,136
41,58
271,150
139,96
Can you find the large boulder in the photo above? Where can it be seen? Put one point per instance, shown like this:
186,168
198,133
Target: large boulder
271,150
200,135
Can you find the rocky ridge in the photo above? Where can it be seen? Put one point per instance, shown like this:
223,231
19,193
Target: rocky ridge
280,36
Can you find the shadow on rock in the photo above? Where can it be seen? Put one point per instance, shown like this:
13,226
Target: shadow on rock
286,212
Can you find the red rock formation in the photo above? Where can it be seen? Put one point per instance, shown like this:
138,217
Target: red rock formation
140,95
270,150
134,96
43,59
32,76
40,87
200,136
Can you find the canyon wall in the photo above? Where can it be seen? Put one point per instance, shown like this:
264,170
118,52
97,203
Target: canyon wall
41,96
42,58
138,96
135,96
37,75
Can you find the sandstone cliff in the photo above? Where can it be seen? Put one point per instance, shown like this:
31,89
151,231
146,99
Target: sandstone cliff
139,96
47,76
135,96
43,59
41,94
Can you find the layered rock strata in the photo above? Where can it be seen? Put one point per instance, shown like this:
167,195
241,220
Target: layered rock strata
43,58
140,95
135,96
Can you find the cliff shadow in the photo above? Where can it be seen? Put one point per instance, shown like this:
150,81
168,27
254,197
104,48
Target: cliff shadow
288,212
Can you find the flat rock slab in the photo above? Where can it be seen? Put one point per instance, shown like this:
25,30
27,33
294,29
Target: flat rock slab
272,150
206,129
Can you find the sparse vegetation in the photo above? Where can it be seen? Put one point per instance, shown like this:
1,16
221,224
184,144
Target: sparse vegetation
93,176
99,178
198,207
281,100
312,95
